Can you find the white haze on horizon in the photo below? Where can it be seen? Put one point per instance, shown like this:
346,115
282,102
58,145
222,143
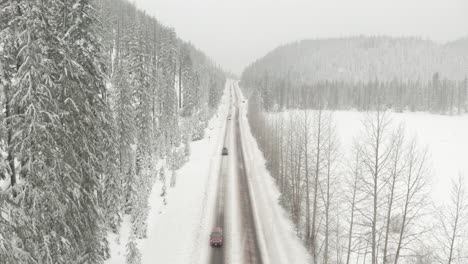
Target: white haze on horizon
237,32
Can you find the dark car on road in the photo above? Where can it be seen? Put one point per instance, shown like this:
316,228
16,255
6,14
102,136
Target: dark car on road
224,152
216,237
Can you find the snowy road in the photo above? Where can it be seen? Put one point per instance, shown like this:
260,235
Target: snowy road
217,254
247,237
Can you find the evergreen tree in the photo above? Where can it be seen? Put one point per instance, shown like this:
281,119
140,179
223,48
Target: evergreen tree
133,254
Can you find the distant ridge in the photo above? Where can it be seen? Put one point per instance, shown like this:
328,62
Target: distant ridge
365,58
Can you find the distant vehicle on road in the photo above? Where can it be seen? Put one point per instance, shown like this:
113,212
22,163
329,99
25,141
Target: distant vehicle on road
224,152
216,237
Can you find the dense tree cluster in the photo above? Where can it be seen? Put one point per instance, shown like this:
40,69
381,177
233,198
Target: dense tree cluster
361,73
436,96
94,94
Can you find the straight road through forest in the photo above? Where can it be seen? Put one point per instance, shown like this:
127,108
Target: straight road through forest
217,254
249,247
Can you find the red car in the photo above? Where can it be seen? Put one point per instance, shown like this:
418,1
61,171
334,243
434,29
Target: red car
216,237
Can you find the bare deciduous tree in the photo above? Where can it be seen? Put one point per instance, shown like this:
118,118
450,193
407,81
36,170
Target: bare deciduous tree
318,164
331,156
396,169
415,180
453,223
376,148
356,171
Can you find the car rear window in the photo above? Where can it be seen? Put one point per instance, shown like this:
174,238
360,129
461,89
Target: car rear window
216,235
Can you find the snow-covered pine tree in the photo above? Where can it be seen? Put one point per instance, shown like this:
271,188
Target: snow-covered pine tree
85,124
186,87
187,146
173,178
60,141
35,108
122,104
11,21
111,189
130,187
162,179
140,81
168,98
133,255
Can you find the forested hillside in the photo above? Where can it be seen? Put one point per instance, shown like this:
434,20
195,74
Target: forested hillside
99,100
363,73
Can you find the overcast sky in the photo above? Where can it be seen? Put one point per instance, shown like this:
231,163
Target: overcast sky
237,32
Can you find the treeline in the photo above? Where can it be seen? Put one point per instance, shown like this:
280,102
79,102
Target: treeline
99,101
370,204
402,74
437,95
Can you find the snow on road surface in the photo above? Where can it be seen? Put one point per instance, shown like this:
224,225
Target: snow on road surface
233,225
275,230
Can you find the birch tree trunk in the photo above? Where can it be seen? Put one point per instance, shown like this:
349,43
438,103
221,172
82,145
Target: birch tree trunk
415,181
318,146
356,175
